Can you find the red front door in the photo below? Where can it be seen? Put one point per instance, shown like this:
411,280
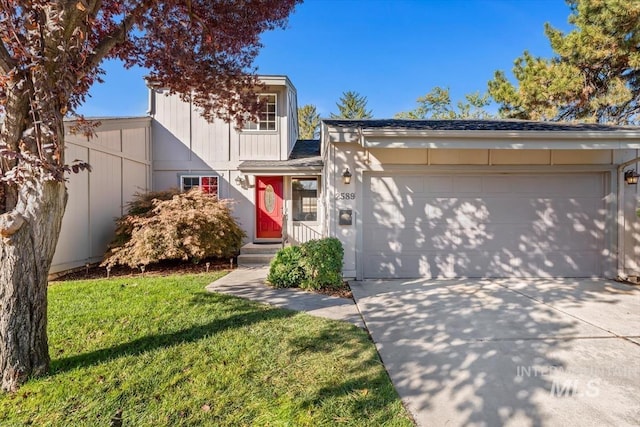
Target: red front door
269,207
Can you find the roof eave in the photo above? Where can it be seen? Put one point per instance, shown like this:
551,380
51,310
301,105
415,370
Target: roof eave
283,170
484,139
501,144
501,134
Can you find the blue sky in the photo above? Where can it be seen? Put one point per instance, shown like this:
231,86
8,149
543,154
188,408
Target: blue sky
391,51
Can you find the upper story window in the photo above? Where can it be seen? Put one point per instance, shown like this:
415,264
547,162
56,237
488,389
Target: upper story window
267,118
208,184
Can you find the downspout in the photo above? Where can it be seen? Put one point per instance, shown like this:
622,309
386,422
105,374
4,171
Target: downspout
151,112
190,133
621,221
150,103
324,152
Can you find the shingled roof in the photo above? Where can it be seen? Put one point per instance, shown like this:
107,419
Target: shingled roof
304,156
477,125
305,148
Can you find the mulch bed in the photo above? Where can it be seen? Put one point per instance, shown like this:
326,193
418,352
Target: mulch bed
164,268
340,293
168,268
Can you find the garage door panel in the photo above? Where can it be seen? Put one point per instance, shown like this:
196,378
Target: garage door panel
439,184
496,184
485,237
513,228
441,264
505,209
467,185
388,187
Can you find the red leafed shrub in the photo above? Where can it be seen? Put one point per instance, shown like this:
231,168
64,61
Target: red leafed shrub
187,226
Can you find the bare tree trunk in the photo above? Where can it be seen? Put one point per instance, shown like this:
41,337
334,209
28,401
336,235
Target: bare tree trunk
29,235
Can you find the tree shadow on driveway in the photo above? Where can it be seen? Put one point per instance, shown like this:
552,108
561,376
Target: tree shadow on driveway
508,352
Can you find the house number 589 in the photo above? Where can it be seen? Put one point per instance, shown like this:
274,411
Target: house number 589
346,196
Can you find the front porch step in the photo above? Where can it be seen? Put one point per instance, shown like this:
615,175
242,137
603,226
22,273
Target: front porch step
260,248
257,253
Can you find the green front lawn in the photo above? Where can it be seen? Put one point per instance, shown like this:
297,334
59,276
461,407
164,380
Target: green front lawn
162,351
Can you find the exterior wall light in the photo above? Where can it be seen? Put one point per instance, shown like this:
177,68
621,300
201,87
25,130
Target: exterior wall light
239,180
631,177
346,177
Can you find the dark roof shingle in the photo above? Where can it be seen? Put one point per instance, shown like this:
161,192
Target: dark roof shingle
477,125
305,148
305,154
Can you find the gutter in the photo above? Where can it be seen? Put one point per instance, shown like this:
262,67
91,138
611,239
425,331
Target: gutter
503,134
621,221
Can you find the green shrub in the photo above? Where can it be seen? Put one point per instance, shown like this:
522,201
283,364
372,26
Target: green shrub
189,226
314,265
285,270
322,263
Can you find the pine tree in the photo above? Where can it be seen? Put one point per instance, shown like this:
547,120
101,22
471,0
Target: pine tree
352,105
308,122
594,75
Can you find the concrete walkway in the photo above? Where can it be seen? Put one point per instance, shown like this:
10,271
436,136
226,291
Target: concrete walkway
509,352
249,283
504,352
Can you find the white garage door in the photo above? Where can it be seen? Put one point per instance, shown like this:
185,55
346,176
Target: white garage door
507,225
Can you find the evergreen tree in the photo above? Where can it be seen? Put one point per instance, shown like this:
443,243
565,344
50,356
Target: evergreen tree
308,122
594,75
352,105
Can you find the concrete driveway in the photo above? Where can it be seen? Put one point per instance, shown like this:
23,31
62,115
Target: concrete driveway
509,352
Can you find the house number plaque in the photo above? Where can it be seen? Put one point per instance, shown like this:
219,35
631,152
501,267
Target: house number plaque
269,199
346,196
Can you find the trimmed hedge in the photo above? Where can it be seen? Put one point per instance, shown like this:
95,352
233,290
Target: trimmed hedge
286,270
322,263
314,265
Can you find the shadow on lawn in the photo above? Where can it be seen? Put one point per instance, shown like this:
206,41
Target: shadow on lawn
188,335
369,387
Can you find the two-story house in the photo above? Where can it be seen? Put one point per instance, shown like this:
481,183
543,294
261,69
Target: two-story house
434,198
273,178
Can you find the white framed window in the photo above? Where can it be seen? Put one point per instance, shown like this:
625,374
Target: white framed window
304,199
208,184
268,117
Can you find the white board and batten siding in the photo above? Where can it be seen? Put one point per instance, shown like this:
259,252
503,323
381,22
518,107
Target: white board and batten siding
184,143
631,220
258,146
292,121
120,158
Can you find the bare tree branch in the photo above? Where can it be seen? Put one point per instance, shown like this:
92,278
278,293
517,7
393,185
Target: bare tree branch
117,36
75,13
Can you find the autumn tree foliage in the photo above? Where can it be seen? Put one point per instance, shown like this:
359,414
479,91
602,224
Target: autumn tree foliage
50,55
187,226
594,75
